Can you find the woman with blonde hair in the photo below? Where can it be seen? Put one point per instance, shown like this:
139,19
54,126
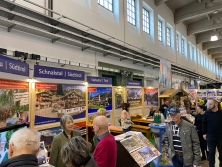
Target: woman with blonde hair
101,112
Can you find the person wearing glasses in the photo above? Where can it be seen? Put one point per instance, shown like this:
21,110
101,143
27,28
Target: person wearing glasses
182,141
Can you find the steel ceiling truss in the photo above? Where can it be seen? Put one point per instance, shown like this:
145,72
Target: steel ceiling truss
15,16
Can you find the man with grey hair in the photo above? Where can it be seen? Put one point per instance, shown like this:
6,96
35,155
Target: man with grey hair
106,150
23,149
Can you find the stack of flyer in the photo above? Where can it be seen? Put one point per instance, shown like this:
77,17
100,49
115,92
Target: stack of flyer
139,147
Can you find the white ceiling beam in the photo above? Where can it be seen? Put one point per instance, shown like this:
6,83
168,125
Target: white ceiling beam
205,25
212,44
218,55
205,36
196,9
159,2
214,51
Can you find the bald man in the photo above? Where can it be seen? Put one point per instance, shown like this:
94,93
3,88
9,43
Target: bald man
106,150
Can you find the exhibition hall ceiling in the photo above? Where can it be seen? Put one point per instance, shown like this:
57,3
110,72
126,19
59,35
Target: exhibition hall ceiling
203,18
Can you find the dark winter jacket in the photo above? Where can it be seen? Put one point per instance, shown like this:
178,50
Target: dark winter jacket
24,160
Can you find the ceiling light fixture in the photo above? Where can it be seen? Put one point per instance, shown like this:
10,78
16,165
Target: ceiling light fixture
214,38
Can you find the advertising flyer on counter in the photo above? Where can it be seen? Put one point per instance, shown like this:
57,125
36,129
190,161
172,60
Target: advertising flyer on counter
14,102
151,96
139,147
134,97
55,100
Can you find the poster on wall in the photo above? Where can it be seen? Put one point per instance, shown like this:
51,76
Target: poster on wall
14,102
192,94
150,96
165,76
219,95
99,97
55,100
119,97
202,94
134,97
211,94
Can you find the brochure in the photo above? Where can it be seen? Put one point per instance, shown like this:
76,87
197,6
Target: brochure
139,147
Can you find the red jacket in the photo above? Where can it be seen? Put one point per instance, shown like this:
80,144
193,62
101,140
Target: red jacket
106,152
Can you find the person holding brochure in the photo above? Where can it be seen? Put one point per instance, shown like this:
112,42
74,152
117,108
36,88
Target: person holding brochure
182,141
61,139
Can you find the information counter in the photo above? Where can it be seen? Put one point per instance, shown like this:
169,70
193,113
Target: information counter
158,131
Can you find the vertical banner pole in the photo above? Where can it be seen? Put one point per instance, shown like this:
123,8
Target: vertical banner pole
114,105
87,118
143,112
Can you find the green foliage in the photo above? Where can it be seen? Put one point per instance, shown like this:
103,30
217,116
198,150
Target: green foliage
8,136
6,97
95,106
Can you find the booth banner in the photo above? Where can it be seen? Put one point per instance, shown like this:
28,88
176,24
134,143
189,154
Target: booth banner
119,97
192,94
219,92
150,96
202,94
55,100
165,76
12,66
14,102
211,94
58,73
133,83
99,80
99,97
134,97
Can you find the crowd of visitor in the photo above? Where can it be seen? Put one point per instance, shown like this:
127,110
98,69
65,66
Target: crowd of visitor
187,143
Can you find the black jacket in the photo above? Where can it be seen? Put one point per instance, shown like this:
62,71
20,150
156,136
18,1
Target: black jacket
24,160
212,123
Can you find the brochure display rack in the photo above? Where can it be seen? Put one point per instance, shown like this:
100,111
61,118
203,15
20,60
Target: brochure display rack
158,131
136,148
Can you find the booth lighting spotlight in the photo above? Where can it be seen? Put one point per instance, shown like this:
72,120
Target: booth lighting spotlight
31,80
85,83
214,38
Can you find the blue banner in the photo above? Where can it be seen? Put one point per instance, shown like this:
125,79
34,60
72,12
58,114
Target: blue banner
40,120
133,83
58,73
13,66
99,80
